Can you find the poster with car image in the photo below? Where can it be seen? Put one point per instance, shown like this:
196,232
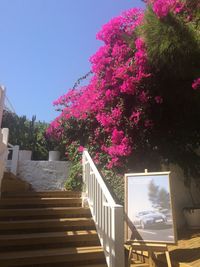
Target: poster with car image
149,208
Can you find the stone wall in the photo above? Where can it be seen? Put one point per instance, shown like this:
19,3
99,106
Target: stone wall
44,175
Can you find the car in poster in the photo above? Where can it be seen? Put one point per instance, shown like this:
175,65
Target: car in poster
143,219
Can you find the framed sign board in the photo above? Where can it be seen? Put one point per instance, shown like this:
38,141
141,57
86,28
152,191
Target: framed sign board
149,208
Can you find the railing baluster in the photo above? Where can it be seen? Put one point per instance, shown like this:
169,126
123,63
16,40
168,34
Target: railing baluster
107,215
109,227
95,199
100,213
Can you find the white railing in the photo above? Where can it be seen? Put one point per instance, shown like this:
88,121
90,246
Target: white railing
2,99
108,216
3,136
3,150
6,148
12,163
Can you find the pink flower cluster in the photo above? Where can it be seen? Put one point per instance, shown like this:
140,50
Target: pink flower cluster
163,7
109,113
114,105
196,84
120,147
119,69
113,31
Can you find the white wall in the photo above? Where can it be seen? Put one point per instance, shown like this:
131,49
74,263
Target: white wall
180,193
44,175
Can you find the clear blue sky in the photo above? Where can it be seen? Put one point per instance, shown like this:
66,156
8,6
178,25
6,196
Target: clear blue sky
138,191
46,45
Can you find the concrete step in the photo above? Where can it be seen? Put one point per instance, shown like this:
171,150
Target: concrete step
71,256
10,183
60,264
53,212
40,202
31,194
93,265
47,240
47,229
60,224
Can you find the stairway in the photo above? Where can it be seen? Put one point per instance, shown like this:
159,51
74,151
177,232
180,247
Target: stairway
47,229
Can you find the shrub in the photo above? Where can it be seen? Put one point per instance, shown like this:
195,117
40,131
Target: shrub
74,181
28,134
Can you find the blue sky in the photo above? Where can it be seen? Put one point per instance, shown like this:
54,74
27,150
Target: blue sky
138,191
46,45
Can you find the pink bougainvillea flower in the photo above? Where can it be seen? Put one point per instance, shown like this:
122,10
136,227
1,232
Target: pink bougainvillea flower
113,163
117,136
196,84
179,7
80,149
129,86
135,117
143,97
116,96
163,7
159,99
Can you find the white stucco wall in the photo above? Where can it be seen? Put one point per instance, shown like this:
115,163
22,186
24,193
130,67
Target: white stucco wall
44,175
180,193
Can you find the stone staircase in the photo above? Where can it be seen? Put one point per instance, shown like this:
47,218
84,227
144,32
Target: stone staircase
47,229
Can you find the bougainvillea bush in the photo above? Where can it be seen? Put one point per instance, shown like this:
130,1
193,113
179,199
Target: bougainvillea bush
142,101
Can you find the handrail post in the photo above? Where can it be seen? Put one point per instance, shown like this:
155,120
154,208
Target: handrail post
2,99
83,165
84,196
5,135
5,132
15,157
3,152
117,251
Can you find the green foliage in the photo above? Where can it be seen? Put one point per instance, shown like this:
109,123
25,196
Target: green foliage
159,197
74,181
173,48
153,193
115,183
173,45
52,144
28,134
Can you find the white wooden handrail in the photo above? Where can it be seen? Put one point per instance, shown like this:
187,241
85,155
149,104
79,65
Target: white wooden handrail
107,215
2,99
3,137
